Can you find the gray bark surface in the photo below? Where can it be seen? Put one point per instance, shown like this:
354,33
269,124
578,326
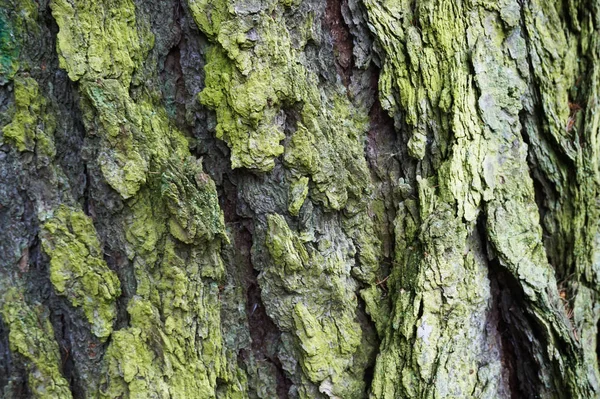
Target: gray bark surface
299,199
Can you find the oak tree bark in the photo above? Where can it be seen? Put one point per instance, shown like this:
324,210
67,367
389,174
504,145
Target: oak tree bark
298,198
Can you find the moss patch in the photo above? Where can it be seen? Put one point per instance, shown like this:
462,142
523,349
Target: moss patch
78,270
32,127
31,337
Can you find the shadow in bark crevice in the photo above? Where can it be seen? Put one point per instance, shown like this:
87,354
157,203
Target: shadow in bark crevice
510,324
342,39
264,334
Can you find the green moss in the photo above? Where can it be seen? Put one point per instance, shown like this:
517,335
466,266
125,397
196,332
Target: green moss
172,222
314,344
31,338
417,145
32,127
336,165
209,15
433,292
191,199
248,110
297,195
130,358
461,96
78,270
173,346
9,51
361,228
99,40
309,294
19,28
253,72
137,138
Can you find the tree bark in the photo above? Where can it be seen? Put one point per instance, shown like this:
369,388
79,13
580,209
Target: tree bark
299,199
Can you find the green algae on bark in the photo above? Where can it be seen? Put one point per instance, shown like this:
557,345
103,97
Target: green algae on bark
488,218
8,48
310,296
172,346
32,338
99,40
18,27
468,107
256,80
32,127
78,270
249,83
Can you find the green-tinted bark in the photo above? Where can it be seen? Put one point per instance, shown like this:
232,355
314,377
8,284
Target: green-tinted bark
304,199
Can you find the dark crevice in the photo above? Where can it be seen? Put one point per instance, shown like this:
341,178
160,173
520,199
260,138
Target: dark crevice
173,86
558,246
119,263
60,316
264,333
369,376
6,363
500,328
13,377
522,339
342,38
507,350
371,339
67,364
88,209
518,348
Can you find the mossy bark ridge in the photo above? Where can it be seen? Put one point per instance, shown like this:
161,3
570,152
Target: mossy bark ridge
299,199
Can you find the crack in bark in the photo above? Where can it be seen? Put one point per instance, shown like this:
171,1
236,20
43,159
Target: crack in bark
518,334
342,38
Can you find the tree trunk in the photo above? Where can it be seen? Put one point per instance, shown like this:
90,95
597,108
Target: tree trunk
299,198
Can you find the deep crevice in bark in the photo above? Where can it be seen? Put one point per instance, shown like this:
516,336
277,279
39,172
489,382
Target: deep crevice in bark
9,368
175,106
598,342
502,289
87,205
61,317
508,353
384,149
546,193
342,38
517,348
66,360
264,333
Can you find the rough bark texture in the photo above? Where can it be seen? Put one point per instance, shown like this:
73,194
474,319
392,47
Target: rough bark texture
299,198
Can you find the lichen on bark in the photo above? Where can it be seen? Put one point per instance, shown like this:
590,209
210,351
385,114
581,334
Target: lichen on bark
298,198
77,269
466,127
